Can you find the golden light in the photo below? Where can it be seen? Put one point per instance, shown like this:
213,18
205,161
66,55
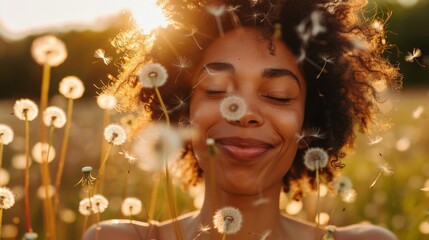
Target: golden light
148,15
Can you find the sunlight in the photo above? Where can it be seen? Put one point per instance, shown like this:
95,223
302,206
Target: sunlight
41,16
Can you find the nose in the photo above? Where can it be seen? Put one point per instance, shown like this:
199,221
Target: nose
252,117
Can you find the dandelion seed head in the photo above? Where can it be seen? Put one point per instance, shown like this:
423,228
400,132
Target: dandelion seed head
316,158
6,134
99,203
25,109
233,108
342,183
115,134
85,207
100,53
106,101
54,117
40,152
71,87
216,11
7,199
131,206
227,220
49,50
348,195
153,75
162,144
86,169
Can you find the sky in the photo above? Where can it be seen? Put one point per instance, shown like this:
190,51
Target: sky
20,18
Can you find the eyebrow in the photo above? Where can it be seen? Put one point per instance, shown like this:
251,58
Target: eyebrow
219,66
279,72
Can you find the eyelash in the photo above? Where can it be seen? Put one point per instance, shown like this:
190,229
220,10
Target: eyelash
282,100
214,92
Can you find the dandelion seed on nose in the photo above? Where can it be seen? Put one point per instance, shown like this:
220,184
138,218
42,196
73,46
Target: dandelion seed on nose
233,108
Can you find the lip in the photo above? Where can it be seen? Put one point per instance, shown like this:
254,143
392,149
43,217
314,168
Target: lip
243,149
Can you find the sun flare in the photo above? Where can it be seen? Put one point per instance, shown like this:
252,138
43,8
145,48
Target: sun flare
148,15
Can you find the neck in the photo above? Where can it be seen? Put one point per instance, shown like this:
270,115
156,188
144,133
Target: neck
260,213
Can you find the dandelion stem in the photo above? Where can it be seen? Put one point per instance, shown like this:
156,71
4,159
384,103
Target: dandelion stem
153,197
1,218
318,194
1,158
46,76
171,201
163,107
27,177
63,153
106,121
224,236
85,222
102,167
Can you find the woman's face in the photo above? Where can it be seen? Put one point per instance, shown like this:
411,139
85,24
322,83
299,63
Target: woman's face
253,154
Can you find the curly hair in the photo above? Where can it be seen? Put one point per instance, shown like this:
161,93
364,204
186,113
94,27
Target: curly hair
341,97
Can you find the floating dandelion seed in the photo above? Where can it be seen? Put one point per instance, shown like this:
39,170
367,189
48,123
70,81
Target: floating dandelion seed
326,59
115,134
128,156
202,229
227,220
54,117
6,134
100,53
233,108
411,57
385,169
7,199
106,101
316,132
85,207
376,140
153,75
217,11
265,235
71,87
99,203
49,50
418,112
162,144
300,136
182,63
316,158
40,152
341,184
317,27
25,109
192,34
131,206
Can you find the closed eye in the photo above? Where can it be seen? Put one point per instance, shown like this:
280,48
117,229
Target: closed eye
214,92
278,99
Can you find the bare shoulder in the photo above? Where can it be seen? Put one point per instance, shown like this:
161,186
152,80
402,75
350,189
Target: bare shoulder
364,231
187,224
121,229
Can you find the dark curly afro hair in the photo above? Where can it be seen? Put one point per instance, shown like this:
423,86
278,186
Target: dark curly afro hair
341,62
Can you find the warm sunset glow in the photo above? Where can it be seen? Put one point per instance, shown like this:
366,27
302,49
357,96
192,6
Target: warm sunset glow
41,16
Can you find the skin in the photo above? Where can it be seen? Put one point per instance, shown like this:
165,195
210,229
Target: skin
249,176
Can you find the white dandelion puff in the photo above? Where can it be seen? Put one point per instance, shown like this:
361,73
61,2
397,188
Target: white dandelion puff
316,158
341,184
7,199
71,87
418,112
49,50
25,109
411,57
153,75
375,140
106,101
233,108
115,134
54,117
6,134
227,220
156,146
131,206
99,203
40,152
85,207
101,54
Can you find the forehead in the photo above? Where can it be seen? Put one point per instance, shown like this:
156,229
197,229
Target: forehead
246,46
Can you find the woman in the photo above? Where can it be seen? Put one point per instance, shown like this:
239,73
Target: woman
271,79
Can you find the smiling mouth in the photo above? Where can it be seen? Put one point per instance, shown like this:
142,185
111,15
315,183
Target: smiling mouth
243,149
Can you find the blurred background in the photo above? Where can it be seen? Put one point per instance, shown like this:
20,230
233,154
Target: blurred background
396,201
